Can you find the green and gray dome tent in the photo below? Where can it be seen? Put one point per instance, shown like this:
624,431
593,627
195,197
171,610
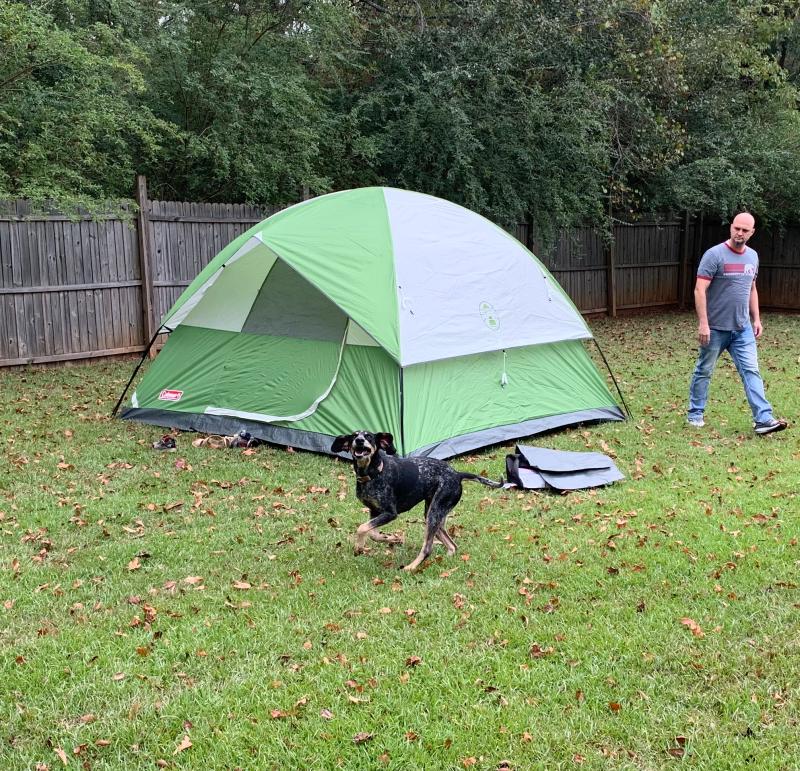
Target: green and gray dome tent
374,308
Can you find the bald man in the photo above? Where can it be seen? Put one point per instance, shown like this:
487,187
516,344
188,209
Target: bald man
726,302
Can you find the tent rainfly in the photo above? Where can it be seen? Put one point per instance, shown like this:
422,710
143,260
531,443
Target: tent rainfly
381,309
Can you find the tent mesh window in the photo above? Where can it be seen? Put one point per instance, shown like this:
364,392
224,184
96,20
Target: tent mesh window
289,306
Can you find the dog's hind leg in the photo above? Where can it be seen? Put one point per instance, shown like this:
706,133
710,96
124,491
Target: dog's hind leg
442,503
425,551
366,529
441,535
444,538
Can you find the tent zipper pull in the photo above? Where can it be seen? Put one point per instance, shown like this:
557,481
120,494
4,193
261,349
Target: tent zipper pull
504,376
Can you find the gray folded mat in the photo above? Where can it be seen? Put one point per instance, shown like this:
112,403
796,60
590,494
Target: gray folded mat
538,468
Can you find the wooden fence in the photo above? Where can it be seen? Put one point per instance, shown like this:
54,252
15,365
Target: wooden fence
652,265
88,286
81,287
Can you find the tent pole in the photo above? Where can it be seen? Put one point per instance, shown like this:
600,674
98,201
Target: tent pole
610,372
402,427
138,367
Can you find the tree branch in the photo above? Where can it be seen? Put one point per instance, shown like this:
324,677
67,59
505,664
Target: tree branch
23,73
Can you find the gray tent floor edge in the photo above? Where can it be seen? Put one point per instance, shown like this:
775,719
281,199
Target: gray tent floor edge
458,445
228,426
314,442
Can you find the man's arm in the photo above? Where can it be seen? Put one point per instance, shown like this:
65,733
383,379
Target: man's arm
700,289
755,314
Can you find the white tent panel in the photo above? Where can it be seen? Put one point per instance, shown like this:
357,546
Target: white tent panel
356,335
231,292
465,286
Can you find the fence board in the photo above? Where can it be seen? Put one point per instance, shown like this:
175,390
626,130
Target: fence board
129,312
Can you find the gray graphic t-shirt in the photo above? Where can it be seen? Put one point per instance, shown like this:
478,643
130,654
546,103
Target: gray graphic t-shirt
728,296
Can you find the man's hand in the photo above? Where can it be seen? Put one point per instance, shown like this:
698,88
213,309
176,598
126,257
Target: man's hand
757,329
704,334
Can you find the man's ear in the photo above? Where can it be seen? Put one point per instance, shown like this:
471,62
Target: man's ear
386,443
342,443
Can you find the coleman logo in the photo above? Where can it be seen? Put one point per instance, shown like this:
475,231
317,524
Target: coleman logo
168,395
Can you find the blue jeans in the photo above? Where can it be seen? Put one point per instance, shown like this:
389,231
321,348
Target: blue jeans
741,346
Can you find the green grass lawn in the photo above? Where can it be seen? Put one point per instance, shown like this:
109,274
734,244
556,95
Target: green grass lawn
203,608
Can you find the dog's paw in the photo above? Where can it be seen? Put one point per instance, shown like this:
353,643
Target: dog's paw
395,538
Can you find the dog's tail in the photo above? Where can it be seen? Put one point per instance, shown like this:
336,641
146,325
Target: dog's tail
477,478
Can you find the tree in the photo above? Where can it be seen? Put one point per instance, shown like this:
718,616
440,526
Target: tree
555,109
234,79
71,126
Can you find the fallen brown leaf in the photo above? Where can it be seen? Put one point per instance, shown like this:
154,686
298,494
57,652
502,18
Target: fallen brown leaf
538,652
693,627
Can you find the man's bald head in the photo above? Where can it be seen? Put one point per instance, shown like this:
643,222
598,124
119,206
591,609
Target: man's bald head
742,229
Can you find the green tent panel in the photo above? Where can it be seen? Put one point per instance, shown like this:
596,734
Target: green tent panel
377,309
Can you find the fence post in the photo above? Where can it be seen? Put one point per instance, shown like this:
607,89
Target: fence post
143,242
529,239
611,280
683,273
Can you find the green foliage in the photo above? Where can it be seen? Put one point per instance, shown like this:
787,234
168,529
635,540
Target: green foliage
71,126
455,110
738,112
556,110
233,79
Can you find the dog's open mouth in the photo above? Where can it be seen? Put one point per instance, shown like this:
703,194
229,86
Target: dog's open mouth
361,452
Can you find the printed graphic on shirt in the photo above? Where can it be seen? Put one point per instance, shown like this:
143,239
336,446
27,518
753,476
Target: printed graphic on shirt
739,269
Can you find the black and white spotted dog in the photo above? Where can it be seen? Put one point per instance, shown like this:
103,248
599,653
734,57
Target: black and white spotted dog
389,485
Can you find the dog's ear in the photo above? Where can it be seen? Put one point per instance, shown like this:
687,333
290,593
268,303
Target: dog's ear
342,443
386,443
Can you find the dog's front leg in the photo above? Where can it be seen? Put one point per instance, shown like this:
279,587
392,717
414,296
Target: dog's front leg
368,527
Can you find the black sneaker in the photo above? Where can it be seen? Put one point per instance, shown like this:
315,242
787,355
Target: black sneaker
770,427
